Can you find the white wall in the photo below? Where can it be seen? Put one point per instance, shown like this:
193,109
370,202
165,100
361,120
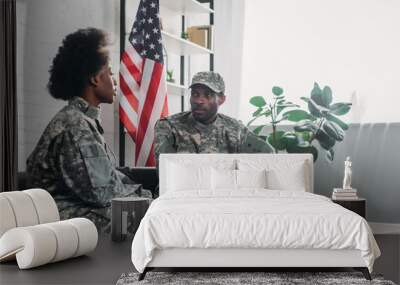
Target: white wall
229,22
352,46
41,26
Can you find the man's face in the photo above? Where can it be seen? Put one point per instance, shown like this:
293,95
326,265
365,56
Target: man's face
107,85
204,103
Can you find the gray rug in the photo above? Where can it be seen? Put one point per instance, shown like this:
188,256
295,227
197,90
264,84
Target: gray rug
269,278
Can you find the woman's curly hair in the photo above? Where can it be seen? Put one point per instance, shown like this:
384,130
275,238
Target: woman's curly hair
79,58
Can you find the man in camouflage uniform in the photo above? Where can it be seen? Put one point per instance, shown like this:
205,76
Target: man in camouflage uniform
72,160
203,130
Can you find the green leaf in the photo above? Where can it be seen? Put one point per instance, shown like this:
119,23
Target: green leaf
276,90
258,130
342,124
279,109
297,115
251,121
324,139
289,105
276,140
266,114
327,96
333,130
289,139
321,97
316,91
280,120
340,108
279,102
256,113
264,138
258,101
304,126
303,138
315,109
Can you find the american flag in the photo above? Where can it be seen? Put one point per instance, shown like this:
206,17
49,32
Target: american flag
142,82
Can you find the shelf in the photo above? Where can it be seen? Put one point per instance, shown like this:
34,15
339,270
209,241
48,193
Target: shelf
176,89
180,46
186,6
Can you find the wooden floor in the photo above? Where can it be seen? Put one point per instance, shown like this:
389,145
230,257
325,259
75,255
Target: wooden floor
103,266
110,260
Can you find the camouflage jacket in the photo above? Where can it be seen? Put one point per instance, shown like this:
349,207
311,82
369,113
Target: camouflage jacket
182,133
73,162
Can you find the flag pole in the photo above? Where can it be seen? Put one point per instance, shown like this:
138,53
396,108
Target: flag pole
121,51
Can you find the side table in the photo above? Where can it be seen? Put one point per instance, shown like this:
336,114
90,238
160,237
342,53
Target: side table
358,206
126,214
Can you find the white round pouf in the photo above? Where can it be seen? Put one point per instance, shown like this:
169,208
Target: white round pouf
45,205
23,208
67,239
87,233
7,220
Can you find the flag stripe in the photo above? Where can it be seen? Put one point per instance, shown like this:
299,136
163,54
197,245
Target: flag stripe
148,106
133,101
130,80
151,160
133,69
143,87
127,123
135,57
132,115
165,106
158,107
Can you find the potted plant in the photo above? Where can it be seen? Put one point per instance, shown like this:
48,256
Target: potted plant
170,75
318,123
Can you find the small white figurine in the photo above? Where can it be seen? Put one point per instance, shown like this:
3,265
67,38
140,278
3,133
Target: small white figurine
347,174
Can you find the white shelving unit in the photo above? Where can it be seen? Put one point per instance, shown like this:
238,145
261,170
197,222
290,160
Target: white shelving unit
174,44
176,89
186,6
179,46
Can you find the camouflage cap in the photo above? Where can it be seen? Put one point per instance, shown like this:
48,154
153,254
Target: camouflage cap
211,79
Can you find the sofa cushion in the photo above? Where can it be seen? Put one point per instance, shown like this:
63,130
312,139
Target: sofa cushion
26,208
40,244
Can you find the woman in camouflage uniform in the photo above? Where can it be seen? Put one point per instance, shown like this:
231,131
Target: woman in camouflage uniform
72,160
